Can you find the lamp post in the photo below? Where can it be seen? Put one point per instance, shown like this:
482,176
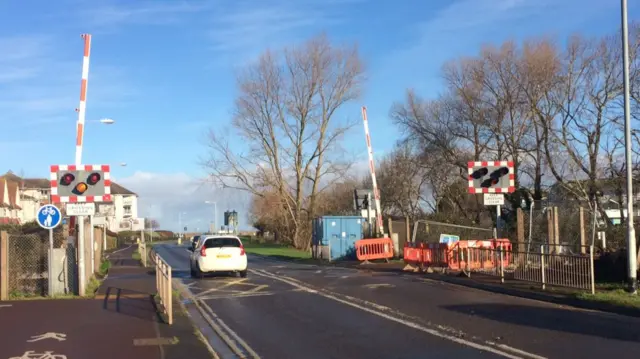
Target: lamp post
631,233
215,215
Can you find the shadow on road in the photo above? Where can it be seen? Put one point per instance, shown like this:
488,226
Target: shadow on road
556,319
129,302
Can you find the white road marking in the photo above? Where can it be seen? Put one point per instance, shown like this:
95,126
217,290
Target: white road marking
378,285
221,325
57,336
520,354
234,296
5,305
119,250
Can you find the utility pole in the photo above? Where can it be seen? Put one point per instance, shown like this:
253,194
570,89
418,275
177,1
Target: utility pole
631,233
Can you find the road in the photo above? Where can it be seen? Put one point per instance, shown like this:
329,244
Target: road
285,310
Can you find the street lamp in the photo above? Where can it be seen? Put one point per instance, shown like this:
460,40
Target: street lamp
107,121
215,215
631,233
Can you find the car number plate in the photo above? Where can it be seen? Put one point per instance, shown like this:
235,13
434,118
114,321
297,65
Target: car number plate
224,256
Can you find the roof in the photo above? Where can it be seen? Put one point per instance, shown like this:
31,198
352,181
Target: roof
12,194
118,189
36,183
2,187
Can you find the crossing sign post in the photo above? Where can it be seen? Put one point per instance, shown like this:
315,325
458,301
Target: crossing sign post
49,217
490,178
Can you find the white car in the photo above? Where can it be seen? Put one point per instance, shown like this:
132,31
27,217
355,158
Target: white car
222,253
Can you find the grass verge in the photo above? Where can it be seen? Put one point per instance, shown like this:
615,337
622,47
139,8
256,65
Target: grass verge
612,294
136,255
275,250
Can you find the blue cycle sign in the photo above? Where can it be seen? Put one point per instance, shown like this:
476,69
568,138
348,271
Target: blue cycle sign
49,216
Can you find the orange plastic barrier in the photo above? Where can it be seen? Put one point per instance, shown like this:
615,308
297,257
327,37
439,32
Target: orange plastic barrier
374,248
459,255
412,255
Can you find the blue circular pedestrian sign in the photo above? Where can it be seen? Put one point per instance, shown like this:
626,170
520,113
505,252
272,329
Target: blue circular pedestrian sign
49,216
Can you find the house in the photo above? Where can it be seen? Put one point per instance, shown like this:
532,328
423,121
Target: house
31,193
9,202
610,191
122,213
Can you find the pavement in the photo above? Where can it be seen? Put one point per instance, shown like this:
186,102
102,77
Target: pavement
289,310
120,322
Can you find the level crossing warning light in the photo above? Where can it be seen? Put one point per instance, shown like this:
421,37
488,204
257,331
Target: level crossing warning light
491,177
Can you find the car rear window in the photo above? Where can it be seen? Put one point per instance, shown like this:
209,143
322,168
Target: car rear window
195,238
222,242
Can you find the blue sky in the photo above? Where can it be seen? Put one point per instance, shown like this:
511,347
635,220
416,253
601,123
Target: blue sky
164,70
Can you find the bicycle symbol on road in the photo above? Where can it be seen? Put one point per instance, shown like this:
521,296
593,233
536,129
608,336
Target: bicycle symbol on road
46,355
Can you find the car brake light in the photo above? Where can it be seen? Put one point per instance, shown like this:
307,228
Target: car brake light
241,250
203,251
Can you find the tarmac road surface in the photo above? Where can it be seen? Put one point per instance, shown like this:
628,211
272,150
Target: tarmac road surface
285,310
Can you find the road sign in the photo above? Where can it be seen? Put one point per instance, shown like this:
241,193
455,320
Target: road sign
80,209
84,183
449,238
49,216
491,177
494,199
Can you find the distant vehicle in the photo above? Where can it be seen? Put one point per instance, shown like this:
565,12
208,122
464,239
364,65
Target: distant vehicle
219,253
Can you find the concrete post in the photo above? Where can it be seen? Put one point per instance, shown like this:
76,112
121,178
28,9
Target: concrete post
4,265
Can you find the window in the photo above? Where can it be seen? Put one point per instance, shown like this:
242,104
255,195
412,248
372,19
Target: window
127,209
222,242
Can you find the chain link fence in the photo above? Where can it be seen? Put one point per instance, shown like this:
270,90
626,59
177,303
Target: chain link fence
28,262
424,231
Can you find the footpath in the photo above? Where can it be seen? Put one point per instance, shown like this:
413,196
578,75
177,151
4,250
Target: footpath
120,322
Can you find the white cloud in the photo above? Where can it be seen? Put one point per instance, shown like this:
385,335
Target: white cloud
164,196
111,16
55,94
244,29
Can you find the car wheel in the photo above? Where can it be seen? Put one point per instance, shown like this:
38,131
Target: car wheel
193,273
243,273
199,273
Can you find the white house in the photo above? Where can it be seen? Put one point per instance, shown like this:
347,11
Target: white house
9,202
122,213
119,215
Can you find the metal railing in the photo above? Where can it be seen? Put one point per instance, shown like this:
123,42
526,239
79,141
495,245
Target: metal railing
164,288
543,267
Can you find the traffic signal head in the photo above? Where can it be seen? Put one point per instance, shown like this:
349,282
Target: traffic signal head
86,183
491,177
80,188
67,179
478,174
362,199
93,178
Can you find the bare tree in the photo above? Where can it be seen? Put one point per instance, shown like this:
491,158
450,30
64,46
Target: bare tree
285,115
403,183
151,223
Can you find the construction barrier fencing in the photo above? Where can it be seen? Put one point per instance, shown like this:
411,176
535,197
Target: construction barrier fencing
374,248
497,257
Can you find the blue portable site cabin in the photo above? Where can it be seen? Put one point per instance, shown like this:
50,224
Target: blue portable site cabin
334,237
